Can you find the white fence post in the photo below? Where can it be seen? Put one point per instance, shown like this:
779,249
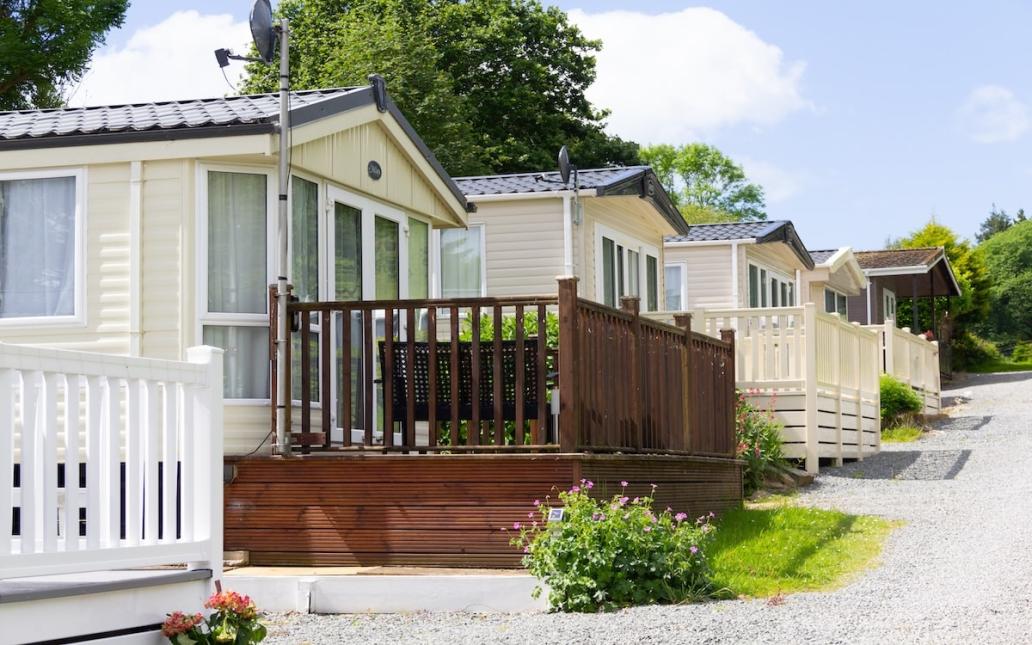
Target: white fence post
810,374
207,451
889,334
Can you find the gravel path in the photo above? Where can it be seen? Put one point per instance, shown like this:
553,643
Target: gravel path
958,571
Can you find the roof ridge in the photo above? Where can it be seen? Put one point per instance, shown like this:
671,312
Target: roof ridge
914,248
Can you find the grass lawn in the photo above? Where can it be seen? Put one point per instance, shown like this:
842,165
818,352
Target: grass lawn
766,551
1000,366
902,434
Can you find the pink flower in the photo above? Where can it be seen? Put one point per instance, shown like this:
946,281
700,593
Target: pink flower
526,549
516,525
634,501
648,529
654,487
623,501
680,517
575,489
589,485
530,516
537,502
624,483
712,514
694,549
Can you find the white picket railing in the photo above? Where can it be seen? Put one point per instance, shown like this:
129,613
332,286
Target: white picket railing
913,359
148,435
816,371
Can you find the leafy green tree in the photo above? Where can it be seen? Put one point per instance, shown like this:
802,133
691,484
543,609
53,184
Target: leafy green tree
45,45
705,183
491,85
997,221
969,267
1008,257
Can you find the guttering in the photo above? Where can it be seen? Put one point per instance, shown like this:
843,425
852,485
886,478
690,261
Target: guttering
133,136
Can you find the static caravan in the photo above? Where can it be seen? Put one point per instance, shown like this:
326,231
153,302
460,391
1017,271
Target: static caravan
529,228
835,279
145,229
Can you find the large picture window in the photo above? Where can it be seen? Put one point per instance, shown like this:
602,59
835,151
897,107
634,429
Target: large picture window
235,312
40,246
462,262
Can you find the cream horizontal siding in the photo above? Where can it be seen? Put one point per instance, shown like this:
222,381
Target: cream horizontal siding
709,279
524,245
629,215
343,157
166,217
107,272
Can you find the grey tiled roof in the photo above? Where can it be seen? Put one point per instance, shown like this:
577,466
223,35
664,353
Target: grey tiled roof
760,232
165,115
543,182
729,231
823,255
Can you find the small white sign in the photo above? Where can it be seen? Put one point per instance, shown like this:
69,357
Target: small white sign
556,514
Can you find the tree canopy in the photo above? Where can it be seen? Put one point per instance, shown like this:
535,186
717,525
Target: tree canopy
997,221
705,183
969,267
491,85
45,45
1008,257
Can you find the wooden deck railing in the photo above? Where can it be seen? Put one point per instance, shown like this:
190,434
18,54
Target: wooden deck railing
912,359
433,375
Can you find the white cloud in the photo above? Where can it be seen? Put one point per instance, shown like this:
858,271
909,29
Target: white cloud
992,114
673,77
778,184
173,59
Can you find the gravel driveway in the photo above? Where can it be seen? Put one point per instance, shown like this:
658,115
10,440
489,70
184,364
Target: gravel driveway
959,571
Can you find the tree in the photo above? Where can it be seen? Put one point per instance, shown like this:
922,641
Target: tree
705,184
1008,256
45,45
969,267
491,85
997,221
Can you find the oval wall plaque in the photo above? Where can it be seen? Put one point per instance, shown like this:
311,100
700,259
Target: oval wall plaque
374,169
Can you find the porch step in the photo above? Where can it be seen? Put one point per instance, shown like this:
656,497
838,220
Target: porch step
308,438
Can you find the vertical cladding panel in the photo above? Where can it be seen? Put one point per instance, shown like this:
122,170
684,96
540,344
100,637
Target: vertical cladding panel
374,148
107,290
709,275
397,175
166,205
524,244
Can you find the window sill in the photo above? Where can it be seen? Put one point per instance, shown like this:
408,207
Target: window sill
34,322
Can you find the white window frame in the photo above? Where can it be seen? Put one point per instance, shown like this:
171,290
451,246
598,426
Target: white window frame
436,288
323,273
772,274
204,317
78,315
629,243
838,294
682,268
888,295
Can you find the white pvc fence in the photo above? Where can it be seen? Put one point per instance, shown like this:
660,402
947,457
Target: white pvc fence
913,359
146,433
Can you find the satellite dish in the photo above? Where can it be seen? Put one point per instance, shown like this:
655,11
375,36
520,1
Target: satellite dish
564,164
261,30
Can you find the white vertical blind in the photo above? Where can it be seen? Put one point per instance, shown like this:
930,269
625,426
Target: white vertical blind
461,262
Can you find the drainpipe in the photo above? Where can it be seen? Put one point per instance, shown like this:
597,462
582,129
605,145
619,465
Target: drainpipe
568,206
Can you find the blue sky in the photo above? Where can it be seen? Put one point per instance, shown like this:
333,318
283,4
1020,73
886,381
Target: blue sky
861,119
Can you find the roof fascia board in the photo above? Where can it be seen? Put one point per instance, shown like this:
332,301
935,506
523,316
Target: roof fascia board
255,144
675,244
908,270
136,136
319,110
949,270
659,199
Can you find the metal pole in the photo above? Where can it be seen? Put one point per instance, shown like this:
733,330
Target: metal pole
282,290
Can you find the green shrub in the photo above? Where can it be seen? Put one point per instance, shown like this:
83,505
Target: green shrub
608,554
897,399
1022,352
970,351
759,443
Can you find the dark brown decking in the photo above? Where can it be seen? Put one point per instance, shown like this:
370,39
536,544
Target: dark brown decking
437,510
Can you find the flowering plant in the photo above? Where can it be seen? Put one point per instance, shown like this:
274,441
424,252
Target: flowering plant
607,554
235,620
